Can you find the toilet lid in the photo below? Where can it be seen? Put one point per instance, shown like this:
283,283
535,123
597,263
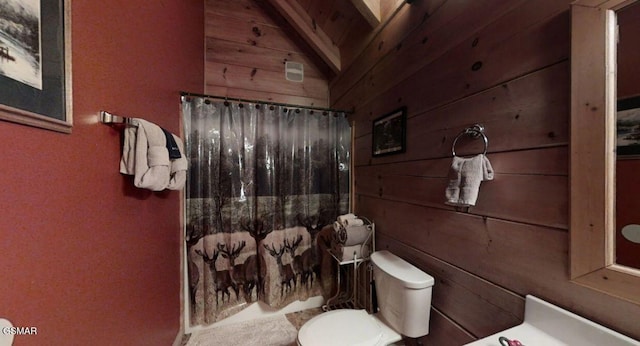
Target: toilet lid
341,328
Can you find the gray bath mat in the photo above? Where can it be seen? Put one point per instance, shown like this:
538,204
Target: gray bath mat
269,331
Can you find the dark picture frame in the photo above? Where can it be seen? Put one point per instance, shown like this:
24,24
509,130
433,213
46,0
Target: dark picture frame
389,133
628,128
46,103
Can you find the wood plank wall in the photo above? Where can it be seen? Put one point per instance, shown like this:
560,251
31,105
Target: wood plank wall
345,26
505,64
246,50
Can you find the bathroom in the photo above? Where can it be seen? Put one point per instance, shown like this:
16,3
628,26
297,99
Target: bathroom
91,260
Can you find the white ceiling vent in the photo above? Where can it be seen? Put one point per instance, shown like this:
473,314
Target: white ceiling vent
294,71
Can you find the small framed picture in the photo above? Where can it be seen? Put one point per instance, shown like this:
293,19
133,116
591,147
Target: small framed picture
628,128
389,133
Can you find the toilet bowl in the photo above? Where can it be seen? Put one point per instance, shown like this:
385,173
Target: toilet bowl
404,298
346,327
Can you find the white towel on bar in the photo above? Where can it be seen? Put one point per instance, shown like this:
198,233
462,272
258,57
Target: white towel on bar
465,176
145,156
178,171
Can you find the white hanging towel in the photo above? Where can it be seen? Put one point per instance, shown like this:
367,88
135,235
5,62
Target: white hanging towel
146,157
465,176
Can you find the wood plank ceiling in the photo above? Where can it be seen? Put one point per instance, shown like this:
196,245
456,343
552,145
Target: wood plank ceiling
335,31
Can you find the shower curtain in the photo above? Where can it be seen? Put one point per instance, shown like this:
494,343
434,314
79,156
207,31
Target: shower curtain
266,183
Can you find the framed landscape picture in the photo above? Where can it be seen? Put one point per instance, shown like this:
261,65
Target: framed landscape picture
35,63
628,128
389,133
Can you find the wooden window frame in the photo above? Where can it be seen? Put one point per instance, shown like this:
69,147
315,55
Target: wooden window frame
592,148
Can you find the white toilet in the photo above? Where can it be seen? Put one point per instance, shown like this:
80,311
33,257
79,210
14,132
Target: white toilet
404,299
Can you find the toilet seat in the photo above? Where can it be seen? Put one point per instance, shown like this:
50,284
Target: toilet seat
343,327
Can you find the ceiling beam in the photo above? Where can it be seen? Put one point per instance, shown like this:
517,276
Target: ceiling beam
369,10
307,28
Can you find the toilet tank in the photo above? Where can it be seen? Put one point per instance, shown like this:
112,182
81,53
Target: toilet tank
403,292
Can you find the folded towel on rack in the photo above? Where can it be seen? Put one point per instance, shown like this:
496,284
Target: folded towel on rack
465,176
145,156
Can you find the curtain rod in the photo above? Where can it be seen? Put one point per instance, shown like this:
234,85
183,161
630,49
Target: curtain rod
227,98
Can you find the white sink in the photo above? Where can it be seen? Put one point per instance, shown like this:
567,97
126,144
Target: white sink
6,339
549,325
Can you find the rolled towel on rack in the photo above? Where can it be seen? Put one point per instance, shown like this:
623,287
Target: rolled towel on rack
353,222
347,253
343,218
355,235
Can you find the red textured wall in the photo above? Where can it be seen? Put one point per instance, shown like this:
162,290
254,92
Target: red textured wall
627,205
87,258
628,53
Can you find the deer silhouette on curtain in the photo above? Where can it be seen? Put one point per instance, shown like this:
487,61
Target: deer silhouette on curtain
265,184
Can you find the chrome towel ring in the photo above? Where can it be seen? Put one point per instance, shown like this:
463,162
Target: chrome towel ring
474,131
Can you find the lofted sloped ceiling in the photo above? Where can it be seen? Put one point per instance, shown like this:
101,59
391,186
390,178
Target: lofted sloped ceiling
335,31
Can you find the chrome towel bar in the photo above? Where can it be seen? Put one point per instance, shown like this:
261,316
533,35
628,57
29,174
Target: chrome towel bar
108,118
